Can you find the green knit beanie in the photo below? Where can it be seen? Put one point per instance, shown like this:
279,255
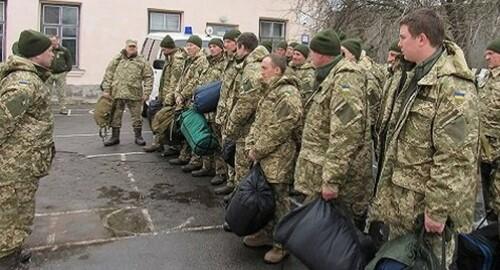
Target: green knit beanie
232,35
217,42
168,42
353,46
15,48
394,46
268,45
293,44
303,49
494,46
326,42
196,40
33,43
282,45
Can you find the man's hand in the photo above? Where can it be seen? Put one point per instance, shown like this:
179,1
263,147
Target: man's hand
432,226
252,155
179,100
329,192
145,98
106,95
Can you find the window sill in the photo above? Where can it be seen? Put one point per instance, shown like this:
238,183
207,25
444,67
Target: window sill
76,73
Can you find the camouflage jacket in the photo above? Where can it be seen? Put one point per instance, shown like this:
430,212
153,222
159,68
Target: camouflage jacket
489,93
214,71
26,122
191,75
277,116
336,135
495,192
128,78
431,146
171,73
248,92
375,84
306,75
226,95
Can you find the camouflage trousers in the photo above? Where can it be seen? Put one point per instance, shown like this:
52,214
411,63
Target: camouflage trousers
495,192
241,163
17,213
283,207
135,107
57,83
401,214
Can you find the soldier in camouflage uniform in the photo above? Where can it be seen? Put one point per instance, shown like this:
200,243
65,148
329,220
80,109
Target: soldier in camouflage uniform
129,81
26,143
281,49
172,70
194,66
351,48
62,64
226,101
429,149
248,92
489,92
270,143
214,164
303,70
335,159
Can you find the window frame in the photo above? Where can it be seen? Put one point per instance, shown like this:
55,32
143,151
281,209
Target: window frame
273,21
212,24
60,26
164,12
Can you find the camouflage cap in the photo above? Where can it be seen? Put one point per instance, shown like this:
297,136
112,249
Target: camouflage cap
15,48
303,49
131,42
282,45
217,42
232,35
268,45
353,46
326,42
293,44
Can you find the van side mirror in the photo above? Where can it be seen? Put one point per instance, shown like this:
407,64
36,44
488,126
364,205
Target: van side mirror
158,64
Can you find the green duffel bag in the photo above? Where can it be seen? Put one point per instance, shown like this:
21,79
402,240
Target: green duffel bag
198,134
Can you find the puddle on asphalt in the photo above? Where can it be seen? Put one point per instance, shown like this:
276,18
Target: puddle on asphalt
200,194
126,222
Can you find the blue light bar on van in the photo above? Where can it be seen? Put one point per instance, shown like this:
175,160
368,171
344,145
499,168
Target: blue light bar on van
188,30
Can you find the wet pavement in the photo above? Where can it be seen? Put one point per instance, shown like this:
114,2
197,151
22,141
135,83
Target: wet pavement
120,208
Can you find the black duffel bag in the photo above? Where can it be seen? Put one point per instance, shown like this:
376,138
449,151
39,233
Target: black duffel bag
480,249
252,205
153,107
321,236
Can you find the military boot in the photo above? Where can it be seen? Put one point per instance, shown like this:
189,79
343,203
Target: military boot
259,239
203,172
225,190
138,137
154,147
115,138
178,161
218,180
170,151
191,167
275,255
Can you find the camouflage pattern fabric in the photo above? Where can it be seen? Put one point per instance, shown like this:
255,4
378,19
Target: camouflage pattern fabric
336,139
26,147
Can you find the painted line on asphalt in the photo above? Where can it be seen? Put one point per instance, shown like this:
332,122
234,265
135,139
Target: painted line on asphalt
184,224
77,135
82,211
51,238
54,247
114,155
132,180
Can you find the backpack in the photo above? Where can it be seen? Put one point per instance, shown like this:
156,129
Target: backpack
103,114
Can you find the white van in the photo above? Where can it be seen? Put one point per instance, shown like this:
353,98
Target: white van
152,52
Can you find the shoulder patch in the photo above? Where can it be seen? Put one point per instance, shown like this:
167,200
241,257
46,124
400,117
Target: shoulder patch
23,82
459,95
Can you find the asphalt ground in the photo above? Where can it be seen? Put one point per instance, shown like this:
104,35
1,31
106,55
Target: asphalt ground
120,208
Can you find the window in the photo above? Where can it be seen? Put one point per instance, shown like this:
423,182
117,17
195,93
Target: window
221,29
2,30
164,21
272,30
64,22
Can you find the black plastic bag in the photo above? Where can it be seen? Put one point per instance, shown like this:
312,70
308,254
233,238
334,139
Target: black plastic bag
252,206
321,236
154,106
228,152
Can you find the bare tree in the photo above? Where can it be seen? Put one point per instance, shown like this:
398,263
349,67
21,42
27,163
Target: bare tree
470,23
